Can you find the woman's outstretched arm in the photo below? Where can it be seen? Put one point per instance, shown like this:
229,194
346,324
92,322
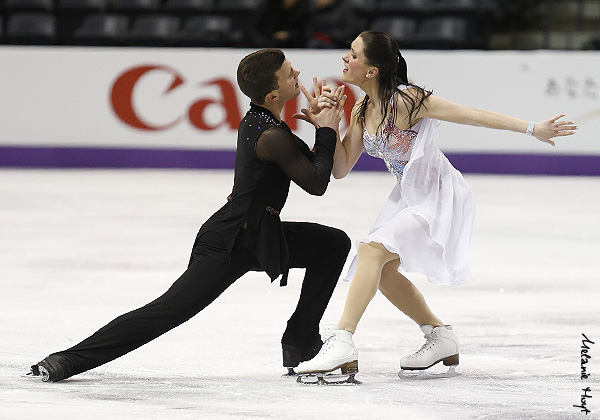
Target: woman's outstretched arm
442,109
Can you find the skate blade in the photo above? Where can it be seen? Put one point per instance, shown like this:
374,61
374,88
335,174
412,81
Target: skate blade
425,374
328,379
41,373
291,373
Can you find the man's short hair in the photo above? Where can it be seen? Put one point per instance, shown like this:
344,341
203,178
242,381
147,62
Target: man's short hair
256,73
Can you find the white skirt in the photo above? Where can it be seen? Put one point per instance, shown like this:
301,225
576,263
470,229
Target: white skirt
428,218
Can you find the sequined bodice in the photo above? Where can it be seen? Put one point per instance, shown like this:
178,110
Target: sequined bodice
392,145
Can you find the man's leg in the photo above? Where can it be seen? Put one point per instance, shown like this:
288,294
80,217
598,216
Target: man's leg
209,274
322,250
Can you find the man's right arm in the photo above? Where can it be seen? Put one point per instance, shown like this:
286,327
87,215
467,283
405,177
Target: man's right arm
312,176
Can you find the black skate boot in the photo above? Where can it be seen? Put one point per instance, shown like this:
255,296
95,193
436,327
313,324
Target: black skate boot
292,355
53,368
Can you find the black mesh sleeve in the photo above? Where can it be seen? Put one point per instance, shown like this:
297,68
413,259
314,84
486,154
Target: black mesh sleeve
311,174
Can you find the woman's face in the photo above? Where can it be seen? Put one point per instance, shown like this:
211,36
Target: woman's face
355,67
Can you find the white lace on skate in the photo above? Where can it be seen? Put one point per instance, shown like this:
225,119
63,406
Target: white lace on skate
429,343
328,331
327,345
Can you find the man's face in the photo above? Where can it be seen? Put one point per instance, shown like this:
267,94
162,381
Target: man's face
287,78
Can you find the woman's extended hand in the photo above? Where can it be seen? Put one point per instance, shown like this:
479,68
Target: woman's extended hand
553,127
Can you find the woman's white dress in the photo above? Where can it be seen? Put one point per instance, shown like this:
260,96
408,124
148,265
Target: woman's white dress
428,217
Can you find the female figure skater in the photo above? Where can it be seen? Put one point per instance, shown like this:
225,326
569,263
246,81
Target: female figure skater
425,224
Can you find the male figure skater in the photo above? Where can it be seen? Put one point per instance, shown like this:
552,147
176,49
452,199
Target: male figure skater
246,233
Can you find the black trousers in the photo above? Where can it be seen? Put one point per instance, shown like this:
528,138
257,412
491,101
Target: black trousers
321,250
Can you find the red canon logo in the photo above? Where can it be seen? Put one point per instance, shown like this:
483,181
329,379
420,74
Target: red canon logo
121,98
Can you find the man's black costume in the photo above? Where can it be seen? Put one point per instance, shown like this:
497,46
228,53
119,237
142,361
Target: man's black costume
246,234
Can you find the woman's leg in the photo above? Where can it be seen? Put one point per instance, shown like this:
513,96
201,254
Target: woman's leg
339,350
441,342
372,257
405,296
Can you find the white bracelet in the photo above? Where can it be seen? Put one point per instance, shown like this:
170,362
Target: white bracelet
530,128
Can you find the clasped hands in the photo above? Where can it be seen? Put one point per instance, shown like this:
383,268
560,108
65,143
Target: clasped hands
326,107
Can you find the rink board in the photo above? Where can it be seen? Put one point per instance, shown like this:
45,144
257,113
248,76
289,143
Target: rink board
179,108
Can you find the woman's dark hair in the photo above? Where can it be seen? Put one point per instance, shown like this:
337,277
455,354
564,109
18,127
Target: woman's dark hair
382,51
256,73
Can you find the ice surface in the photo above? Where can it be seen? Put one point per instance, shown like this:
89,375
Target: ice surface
79,247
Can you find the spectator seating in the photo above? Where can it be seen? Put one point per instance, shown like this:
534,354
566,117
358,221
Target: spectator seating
463,8
233,23
71,14
154,30
208,31
13,6
594,43
188,7
442,32
244,16
83,5
31,28
366,7
402,29
102,29
236,6
407,8
134,8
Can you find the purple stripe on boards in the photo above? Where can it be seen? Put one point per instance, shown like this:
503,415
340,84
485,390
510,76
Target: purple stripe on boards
84,157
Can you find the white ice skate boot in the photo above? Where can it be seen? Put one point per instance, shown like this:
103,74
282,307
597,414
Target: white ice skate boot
338,352
441,346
